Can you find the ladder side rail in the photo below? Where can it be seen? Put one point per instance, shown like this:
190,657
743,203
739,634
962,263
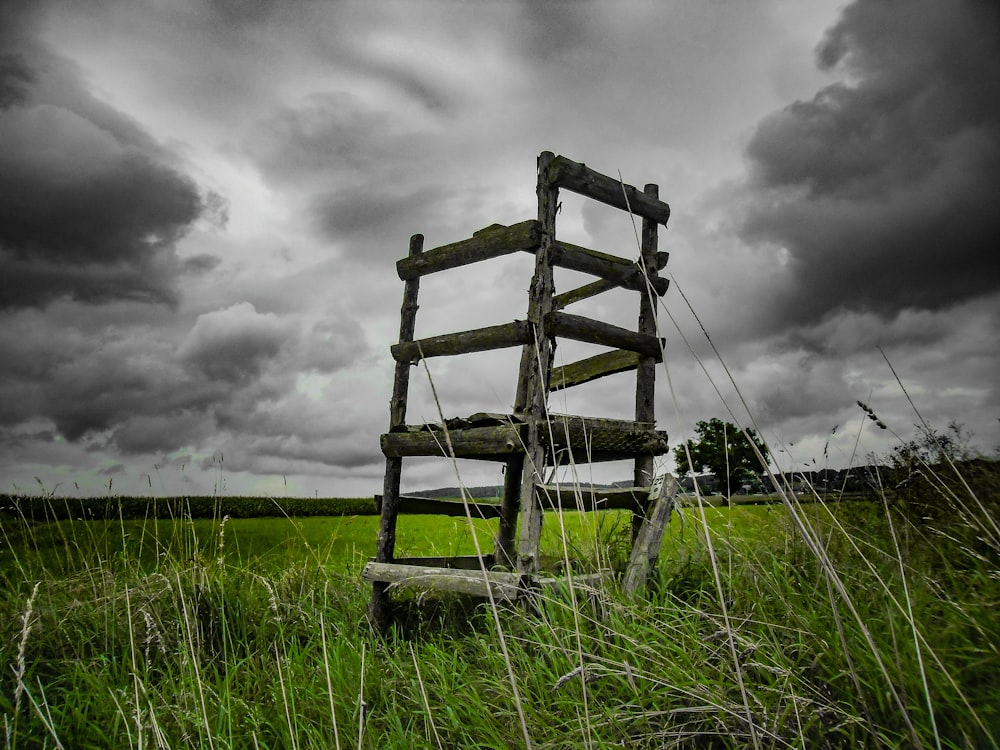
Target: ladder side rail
645,375
379,610
537,374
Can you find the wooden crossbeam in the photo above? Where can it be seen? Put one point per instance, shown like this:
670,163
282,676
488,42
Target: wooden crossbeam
580,178
592,368
591,331
460,562
502,585
568,497
582,292
426,506
496,443
491,242
477,340
622,272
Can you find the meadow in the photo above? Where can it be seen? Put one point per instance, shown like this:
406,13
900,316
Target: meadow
850,624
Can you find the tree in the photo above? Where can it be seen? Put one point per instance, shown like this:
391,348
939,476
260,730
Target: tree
724,450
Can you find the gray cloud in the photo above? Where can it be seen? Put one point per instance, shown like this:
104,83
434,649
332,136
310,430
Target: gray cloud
360,171
881,190
133,390
234,344
91,207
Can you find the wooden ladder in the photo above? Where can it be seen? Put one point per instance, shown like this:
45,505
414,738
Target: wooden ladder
530,438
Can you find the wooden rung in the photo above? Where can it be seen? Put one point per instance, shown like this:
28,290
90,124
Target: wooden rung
595,332
460,562
580,178
504,586
491,242
592,368
478,340
568,497
412,505
594,288
493,443
581,293
622,272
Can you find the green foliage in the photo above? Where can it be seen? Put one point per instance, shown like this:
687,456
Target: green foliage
51,508
724,450
937,474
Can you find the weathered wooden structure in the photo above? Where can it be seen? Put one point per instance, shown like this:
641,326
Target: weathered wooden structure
530,438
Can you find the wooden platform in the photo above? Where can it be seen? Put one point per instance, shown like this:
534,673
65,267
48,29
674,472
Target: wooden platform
494,437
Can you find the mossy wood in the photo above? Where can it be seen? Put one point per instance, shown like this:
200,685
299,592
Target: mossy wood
501,586
530,438
591,331
451,562
570,497
579,178
583,443
386,543
623,273
646,548
412,505
581,293
592,368
478,340
485,443
491,242
645,373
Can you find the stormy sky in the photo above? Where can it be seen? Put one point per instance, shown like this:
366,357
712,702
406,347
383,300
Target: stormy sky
201,203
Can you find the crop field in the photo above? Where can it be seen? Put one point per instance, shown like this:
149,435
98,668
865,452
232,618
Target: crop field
851,624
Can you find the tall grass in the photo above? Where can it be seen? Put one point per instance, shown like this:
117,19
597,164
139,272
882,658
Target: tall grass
207,650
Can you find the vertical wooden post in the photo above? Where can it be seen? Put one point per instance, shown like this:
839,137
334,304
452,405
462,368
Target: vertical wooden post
379,610
503,548
645,378
537,374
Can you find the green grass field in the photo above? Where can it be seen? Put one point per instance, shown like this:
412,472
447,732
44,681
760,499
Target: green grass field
251,633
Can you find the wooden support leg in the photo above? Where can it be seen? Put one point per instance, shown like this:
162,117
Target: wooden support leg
646,549
503,550
379,610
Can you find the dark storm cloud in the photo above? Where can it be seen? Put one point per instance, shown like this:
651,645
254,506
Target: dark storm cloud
234,344
134,390
15,77
882,190
90,206
551,29
361,170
